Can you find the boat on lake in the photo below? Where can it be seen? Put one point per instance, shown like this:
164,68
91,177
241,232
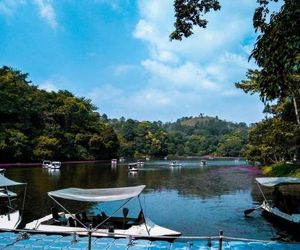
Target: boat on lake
46,163
100,224
51,164
203,163
284,206
55,165
175,164
10,216
133,167
140,163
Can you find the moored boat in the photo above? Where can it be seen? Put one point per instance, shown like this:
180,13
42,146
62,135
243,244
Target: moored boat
284,208
101,224
10,216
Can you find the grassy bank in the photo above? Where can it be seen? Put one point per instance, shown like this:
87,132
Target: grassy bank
282,169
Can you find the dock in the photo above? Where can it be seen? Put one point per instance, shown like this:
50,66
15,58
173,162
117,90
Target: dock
23,240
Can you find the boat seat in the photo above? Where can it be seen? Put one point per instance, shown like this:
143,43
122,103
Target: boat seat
78,220
58,219
71,222
85,219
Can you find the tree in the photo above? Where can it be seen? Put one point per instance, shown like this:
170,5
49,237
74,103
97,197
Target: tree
277,53
189,13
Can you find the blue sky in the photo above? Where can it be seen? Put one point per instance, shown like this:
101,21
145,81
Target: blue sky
118,54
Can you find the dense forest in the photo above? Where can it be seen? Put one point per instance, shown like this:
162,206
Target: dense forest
188,136
37,125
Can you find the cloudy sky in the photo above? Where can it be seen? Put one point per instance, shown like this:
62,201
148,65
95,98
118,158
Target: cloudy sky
118,54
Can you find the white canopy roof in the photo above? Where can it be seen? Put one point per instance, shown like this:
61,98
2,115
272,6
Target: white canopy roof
5,182
277,181
98,195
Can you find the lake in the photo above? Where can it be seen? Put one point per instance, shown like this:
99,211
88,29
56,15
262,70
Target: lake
193,199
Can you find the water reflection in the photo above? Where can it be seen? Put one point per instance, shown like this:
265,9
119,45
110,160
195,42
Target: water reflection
193,199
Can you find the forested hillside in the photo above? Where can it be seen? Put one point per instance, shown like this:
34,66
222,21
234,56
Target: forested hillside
37,125
188,136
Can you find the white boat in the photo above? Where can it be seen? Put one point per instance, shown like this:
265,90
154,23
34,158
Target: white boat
101,224
133,167
203,163
10,217
140,163
46,164
55,165
175,164
284,207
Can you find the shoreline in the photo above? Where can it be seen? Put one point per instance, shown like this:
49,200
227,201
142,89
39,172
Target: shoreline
29,164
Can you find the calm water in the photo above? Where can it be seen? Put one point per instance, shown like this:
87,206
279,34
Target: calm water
195,200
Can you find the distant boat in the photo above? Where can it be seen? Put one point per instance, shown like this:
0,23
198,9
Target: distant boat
46,163
114,161
122,159
133,167
51,164
175,164
55,165
140,163
203,163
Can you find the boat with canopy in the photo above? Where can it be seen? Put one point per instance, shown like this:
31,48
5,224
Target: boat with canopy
101,224
285,204
10,216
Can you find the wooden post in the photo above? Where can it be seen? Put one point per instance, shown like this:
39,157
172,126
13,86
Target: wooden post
221,240
90,238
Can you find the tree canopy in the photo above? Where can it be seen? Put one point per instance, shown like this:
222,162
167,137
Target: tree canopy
36,124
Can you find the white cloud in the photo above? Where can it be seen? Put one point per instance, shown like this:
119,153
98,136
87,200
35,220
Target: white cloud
47,12
184,75
124,69
48,86
8,7
203,67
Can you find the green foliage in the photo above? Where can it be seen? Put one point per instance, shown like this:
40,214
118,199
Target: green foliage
188,136
189,13
277,53
36,124
282,169
272,141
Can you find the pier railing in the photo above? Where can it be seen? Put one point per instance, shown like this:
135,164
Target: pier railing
215,242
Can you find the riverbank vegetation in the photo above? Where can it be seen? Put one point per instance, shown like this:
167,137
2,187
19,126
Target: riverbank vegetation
36,125
275,141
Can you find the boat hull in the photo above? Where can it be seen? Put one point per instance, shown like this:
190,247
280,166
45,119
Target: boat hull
11,220
148,230
284,221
